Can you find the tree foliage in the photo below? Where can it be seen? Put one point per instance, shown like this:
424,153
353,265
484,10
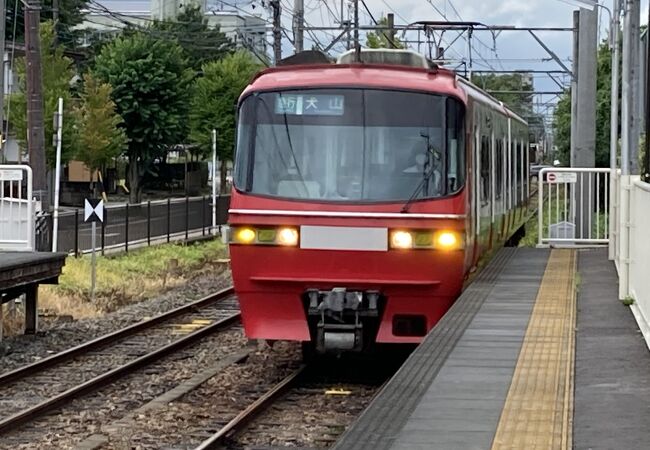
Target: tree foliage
517,92
200,42
70,14
562,115
381,39
150,81
58,74
214,100
101,137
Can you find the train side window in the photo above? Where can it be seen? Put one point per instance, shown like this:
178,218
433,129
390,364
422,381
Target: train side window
485,170
498,161
455,146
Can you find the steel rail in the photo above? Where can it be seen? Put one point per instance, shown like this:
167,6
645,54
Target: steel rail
107,339
251,411
28,414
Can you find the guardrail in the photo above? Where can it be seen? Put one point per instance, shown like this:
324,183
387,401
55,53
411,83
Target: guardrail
573,207
16,208
146,223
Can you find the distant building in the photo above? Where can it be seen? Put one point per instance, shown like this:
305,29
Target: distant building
246,29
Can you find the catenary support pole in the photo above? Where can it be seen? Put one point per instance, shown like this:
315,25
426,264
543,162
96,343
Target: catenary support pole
585,143
57,175
214,182
298,24
574,84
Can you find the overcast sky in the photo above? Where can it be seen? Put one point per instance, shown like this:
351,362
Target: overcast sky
513,50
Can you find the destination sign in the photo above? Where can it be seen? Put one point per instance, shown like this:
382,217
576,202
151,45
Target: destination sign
310,105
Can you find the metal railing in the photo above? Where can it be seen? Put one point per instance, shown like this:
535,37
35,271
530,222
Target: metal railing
574,207
16,208
141,224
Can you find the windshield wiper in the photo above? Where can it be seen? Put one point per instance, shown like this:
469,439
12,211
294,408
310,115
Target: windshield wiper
429,168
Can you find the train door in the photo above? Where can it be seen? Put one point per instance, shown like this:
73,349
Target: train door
485,182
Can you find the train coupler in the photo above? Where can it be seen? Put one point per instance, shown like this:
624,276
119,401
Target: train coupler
340,314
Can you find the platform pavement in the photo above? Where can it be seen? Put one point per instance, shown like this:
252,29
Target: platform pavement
475,394
612,376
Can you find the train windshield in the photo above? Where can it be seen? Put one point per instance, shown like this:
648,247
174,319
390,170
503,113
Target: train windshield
350,145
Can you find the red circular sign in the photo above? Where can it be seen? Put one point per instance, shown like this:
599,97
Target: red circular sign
551,177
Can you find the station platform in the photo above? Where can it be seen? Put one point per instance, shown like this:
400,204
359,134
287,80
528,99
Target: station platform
538,353
22,273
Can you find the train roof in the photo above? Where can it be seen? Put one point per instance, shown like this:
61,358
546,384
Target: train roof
388,69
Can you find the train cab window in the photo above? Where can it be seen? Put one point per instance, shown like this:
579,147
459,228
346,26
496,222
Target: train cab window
350,145
455,146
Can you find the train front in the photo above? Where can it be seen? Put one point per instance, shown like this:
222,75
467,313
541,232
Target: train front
348,219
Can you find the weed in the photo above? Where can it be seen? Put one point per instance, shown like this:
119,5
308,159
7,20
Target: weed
628,301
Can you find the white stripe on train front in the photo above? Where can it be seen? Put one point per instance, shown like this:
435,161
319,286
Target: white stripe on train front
344,238
370,215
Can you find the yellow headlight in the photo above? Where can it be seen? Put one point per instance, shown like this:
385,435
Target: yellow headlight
245,236
447,240
401,239
288,237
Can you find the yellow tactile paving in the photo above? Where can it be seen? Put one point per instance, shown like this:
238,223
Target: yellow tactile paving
538,412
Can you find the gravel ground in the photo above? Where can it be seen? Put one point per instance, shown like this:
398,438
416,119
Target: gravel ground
88,415
187,422
55,336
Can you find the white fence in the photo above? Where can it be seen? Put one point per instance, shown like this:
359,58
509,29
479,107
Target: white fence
632,248
16,208
573,207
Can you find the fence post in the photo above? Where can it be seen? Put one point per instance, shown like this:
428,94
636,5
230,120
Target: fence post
169,214
187,217
76,233
104,232
203,214
126,231
149,223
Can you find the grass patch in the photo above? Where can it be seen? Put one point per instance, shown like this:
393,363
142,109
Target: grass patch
128,278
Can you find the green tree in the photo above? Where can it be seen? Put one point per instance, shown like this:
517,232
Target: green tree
214,100
517,92
562,115
58,74
381,39
151,82
200,42
101,138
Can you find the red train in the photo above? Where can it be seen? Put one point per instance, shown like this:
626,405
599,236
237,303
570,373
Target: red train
364,196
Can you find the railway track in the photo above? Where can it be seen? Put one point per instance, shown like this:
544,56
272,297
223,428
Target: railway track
310,407
31,391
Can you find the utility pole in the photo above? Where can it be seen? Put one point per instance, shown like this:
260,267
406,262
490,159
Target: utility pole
630,104
585,142
357,44
3,20
298,24
34,81
277,31
613,142
390,17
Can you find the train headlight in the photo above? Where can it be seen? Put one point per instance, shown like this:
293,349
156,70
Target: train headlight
448,240
244,235
401,239
288,237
